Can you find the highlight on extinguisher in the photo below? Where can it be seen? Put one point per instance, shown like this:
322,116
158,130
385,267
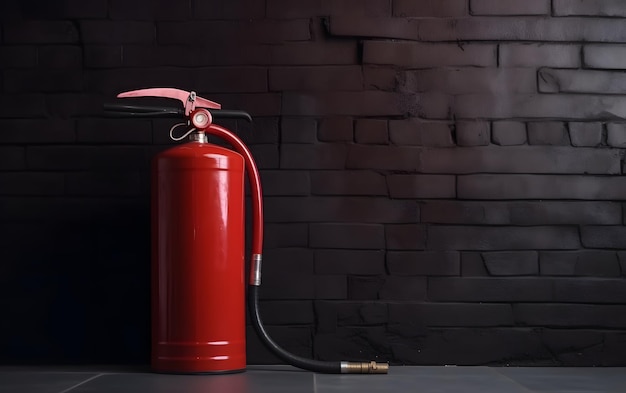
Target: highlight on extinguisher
197,268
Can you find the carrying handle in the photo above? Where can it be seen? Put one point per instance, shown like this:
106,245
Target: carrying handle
189,98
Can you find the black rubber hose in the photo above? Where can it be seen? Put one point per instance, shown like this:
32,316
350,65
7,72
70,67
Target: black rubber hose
317,366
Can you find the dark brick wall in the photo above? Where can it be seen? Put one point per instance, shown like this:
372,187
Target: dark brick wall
443,179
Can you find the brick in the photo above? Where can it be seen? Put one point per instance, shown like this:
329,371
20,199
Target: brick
509,7
429,8
580,263
286,235
470,80
336,128
587,7
603,236
473,265
31,183
403,288
581,81
551,160
334,78
66,105
265,156
354,236
219,54
377,27
616,134
362,262
367,103
380,78
522,29
489,289
585,134
423,55
540,187
511,263
509,133
423,263
103,183
366,183
116,32
371,131
622,261
605,56
18,56
421,133
451,314
548,133
151,10
285,182
574,107
364,287
383,158
287,312
564,341
237,31
103,56
237,9
12,106
284,9
60,56
12,158
280,261
466,347
570,315
346,313
473,133
69,9
256,104
370,210
502,238
327,53
422,186
262,130
110,131
539,55
367,342
331,287
405,237
85,157
47,80
298,287
40,32
322,156
520,213
39,131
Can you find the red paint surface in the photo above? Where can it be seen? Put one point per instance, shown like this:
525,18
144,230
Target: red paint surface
198,304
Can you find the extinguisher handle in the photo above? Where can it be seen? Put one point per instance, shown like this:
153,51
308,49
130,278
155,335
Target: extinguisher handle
189,99
119,110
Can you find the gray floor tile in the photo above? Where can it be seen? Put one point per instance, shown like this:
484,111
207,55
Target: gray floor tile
423,380
40,381
253,381
568,380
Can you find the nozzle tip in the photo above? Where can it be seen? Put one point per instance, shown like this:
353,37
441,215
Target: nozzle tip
364,367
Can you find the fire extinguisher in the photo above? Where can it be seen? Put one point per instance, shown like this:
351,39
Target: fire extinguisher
197,268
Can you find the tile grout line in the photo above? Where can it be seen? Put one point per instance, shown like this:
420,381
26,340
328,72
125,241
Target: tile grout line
81,383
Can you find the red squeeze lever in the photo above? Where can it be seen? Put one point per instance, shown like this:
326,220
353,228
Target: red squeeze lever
188,98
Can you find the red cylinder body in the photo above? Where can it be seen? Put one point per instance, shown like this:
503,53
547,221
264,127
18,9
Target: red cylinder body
198,303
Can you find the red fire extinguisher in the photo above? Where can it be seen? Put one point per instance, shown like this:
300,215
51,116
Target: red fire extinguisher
198,284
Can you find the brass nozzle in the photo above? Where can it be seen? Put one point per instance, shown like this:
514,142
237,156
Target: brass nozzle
364,368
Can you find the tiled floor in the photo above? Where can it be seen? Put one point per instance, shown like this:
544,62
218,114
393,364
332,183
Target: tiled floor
278,379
